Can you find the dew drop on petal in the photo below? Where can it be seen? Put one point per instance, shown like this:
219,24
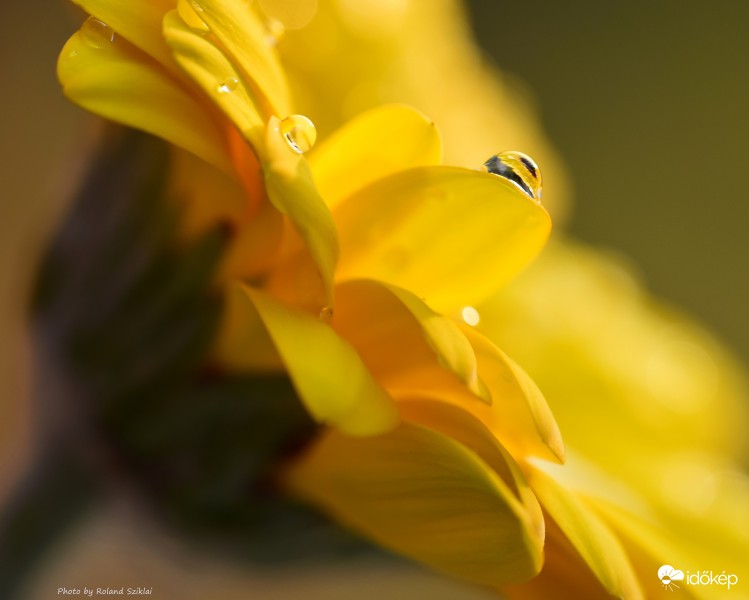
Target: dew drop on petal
518,168
227,86
299,132
96,33
470,315
190,16
326,314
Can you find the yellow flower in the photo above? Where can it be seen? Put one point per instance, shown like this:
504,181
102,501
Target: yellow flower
357,248
346,253
653,411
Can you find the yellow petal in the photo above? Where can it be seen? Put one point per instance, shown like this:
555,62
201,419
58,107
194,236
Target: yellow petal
565,574
245,39
450,235
222,83
329,376
292,191
594,541
423,495
138,21
407,346
117,81
519,415
373,145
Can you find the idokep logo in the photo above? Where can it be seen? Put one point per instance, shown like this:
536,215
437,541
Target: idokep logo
669,576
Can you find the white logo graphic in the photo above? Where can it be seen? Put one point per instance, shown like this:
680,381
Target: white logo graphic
668,575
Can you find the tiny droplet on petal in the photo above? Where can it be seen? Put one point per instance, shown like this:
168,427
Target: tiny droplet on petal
519,169
299,132
190,16
470,315
326,314
227,86
96,33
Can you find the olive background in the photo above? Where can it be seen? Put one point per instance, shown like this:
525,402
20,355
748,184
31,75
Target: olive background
648,104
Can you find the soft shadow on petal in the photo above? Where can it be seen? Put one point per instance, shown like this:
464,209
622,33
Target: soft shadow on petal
119,82
423,495
371,146
488,232
328,374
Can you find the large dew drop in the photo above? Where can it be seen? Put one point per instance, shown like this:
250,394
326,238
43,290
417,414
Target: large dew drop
518,168
96,33
299,132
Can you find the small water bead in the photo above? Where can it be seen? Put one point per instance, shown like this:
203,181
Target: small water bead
96,33
326,314
299,132
518,168
227,86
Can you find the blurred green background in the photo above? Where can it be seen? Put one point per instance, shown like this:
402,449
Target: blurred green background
647,104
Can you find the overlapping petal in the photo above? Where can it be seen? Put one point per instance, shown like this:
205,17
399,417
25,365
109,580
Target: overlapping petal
291,189
591,537
404,343
219,78
116,80
447,234
245,39
422,494
331,379
375,144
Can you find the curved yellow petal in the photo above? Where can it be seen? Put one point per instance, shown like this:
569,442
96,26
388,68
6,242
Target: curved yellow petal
117,81
404,343
138,21
291,190
423,495
450,235
245,39
371,146
222,83
594,541
519,415
329,376
465,428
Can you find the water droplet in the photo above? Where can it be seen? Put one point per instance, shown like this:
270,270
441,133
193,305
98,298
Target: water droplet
470,315
326,314
299,132
518,168
276,31
96,33
189,15
227,86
